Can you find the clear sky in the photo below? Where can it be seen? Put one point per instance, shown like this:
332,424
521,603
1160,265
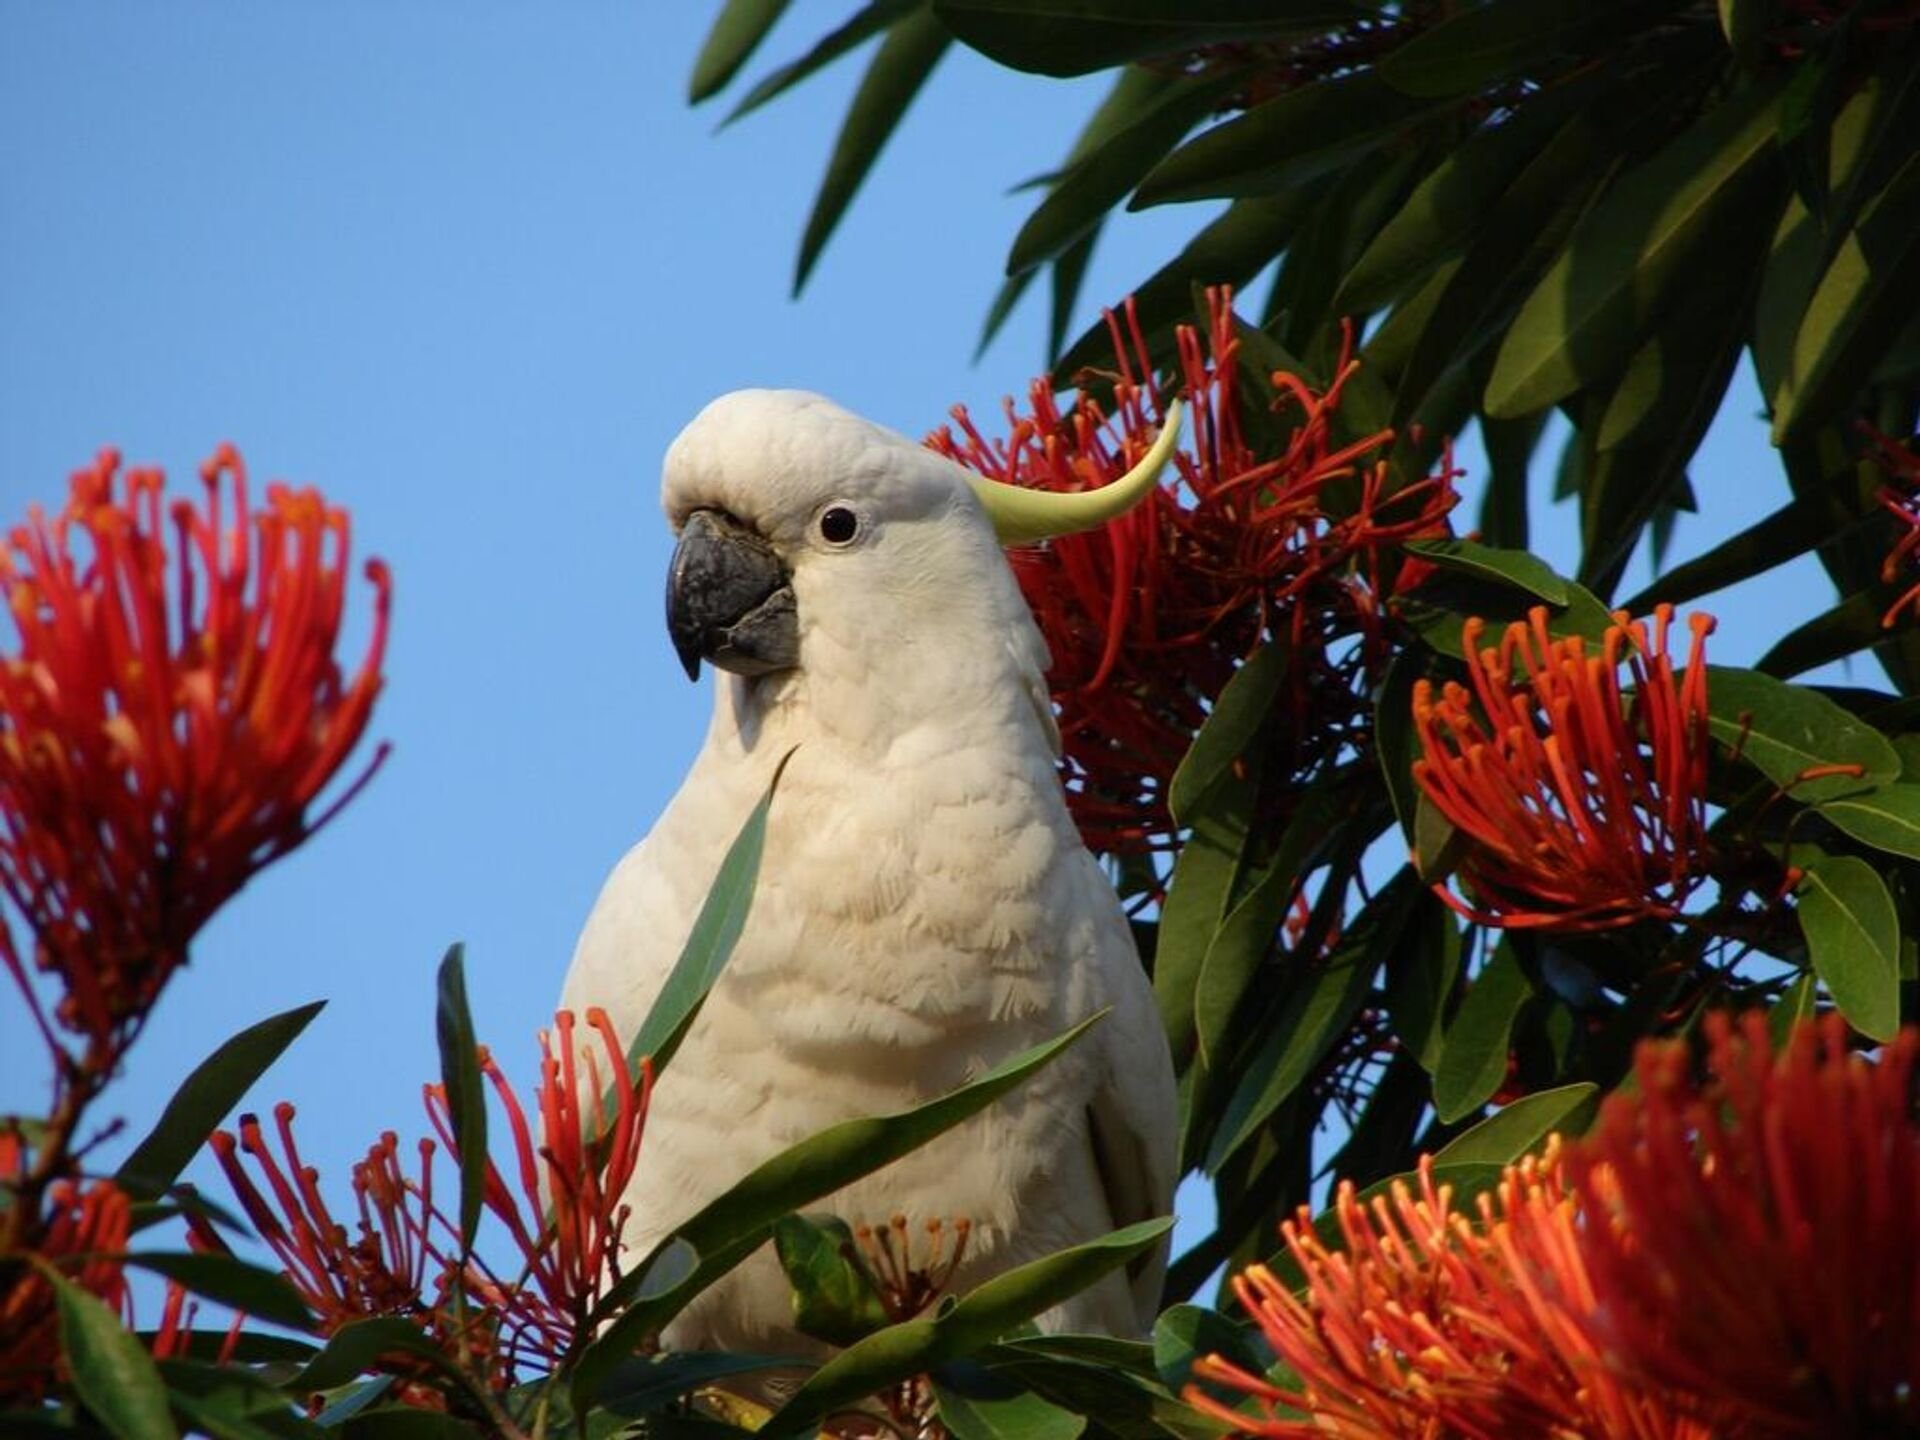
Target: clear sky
468,268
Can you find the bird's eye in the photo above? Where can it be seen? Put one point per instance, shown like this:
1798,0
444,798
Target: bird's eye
838,525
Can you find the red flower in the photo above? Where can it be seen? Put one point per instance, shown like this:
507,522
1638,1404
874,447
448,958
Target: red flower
82,1233
571,1187
1902,501
1148,618
1584,806
1422,1324
167,721
1763,1250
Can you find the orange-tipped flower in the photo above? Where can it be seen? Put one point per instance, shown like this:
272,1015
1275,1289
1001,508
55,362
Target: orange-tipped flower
83,1235
1422,1324
1764,1244
168,719
1148,617
1583,802
1902,500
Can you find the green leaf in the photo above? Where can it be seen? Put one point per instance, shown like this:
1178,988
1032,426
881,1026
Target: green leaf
739,1221
644,1384
355,1348
1075,37
411,1424
1791,1008
900,68
1887,818
112,1375
1422,969
466,1097
1510,1132
1101,178
1289,139
742,25
1478,46
1849,627
228,1402
1440,607
1783,730
204,1099
867,22
1584,317
1394,742
1510,445
1473,1061
1853,936
1507,567
1199,893
1185,1333
716,930
833,1295
1784,535
1863,300
231,1281
1012,1417
979,1317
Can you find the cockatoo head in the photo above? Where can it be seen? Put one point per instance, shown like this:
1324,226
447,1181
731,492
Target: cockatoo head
807,533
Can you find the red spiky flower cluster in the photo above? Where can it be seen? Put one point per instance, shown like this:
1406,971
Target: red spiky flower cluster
1274,531
1731,1257
168,719
1583,802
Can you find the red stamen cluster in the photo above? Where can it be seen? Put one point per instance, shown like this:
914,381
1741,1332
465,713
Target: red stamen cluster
82,1234
167,720
1583,805
1148,617
1762,1249
1902,500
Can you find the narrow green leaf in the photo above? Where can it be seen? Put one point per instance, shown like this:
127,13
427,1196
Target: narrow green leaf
865,23
645,1384
901,67
1475,47
1853,937
1440,608
979,1317
1301,134
1507,567
1510,445
1791,1008
1863,300
1236,717
1784,535
466,1096
1473,1061
738,1222
1185,1333
1394,740
742,25
1422,969
1012,1417
1199,893
1783,730
1510,1132
233,1282
1076,37
1887,818
1583,318
833,1295
112,1375
716,930
354,1349
204,1099
1851,626
411,1424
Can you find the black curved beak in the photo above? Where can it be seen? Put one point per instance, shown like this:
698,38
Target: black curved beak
728,599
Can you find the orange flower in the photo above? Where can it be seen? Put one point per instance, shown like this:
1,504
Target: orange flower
1583,805
568,1232
167,720
1901,500
1148,618
83,1233
1424,1324
1764,1250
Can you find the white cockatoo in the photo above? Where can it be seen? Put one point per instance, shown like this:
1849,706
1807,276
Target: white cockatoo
925,908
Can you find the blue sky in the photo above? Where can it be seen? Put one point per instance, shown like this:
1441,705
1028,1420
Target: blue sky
468,269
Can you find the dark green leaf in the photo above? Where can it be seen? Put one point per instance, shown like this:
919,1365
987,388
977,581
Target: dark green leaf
833,1296
1440,608
1507,1134
113,1376
1849,627
411,1424
979,1317
643,1384
203,1100
716,930
1101,178
1853,937
900,68
1863,300
1507,567
865,23
1185,1333
252,1347
1787,533
1887,818
1479,45
466,1096
356,1347
1510,445
1012,1417
1422,969
1074,37
1783,730
742,25
1793,1007
1198,896
1394,740
730,1228
1584,317
1299,135
1473,1061
231,1281
228,1402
